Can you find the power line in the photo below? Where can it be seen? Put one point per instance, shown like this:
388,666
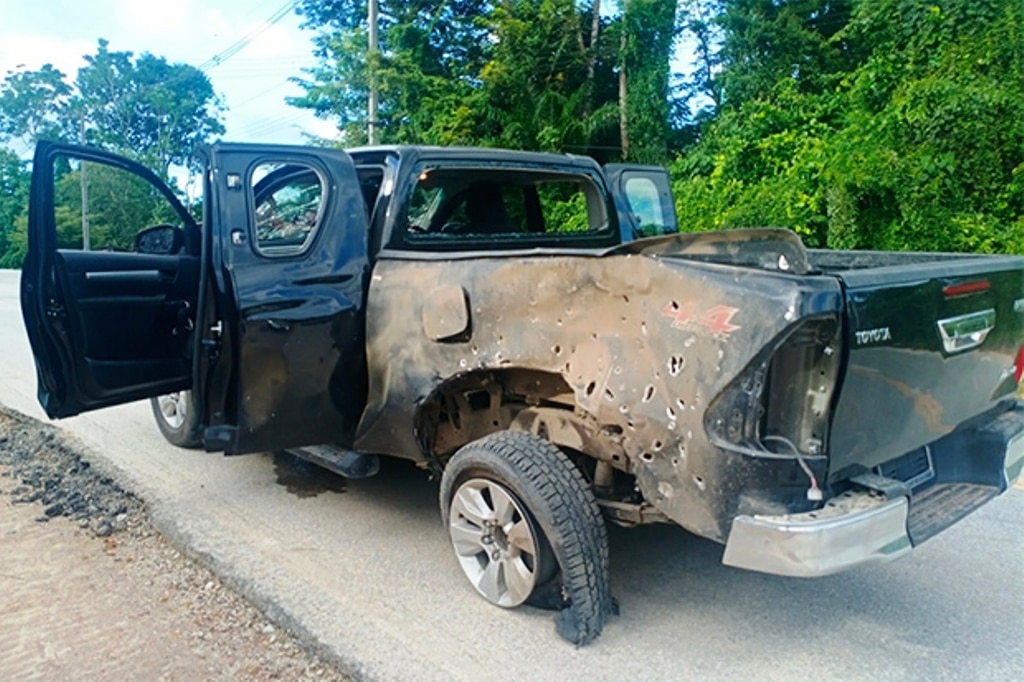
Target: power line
241,43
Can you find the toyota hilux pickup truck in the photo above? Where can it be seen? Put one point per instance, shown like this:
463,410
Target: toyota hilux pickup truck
534,329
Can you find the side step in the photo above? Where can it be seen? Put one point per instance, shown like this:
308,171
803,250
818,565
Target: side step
339,460
942,505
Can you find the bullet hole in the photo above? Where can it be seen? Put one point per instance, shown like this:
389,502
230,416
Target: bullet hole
675,461
594,336
699,483
670,413
559,322
675,305
631,425
474,350
676,364
590,387
608,395
617,370
647,457
557,350
623,408
657,445
501,339
648,393
643,328
616,458
681,403
625,298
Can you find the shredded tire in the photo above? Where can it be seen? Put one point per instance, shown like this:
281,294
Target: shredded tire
563,506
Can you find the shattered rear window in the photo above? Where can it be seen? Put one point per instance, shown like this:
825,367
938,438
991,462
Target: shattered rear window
451,203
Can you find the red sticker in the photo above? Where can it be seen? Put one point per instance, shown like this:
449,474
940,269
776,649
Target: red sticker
717,320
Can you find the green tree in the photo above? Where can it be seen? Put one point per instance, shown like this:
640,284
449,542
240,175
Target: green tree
157,112
430,51
646,35
34,105
889,124
142,107
14,182
531,74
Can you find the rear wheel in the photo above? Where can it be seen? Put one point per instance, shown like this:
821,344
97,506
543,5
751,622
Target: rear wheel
497,542
176,419
524,523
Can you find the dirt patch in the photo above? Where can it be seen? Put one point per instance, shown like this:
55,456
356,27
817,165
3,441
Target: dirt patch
90,590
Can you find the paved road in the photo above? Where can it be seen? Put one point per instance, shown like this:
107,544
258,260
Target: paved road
364,570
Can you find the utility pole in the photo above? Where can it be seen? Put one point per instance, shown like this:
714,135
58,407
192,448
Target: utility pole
85,188
371,57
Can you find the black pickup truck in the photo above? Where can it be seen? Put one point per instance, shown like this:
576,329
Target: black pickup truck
533,329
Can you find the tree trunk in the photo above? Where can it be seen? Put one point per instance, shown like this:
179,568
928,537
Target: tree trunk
595,29
623,91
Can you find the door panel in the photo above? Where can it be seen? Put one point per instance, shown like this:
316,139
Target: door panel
111,325
293,249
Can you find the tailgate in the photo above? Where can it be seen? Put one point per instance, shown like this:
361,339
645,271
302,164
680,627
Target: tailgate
931,345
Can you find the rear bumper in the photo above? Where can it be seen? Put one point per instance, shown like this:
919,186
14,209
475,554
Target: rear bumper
864,527
853,529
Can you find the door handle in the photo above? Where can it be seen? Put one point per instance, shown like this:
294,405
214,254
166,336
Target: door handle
964,332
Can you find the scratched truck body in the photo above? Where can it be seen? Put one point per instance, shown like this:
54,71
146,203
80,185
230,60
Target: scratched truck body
500,319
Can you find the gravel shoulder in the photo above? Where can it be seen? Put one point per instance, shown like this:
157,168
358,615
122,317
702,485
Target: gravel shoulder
90,590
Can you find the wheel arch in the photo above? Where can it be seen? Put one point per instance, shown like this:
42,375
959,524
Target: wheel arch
469,406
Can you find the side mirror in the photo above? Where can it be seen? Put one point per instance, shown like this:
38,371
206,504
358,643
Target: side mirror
162,240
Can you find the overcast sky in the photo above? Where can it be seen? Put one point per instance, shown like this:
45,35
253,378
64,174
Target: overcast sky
253,83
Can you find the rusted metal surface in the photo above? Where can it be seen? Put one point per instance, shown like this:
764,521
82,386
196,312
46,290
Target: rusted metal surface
616,356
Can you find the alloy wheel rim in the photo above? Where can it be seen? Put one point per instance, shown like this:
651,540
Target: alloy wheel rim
495,542
173,408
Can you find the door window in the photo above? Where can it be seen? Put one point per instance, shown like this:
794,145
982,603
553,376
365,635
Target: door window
288,200
101,207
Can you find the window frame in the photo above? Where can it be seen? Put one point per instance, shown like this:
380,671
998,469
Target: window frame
606,235
289,250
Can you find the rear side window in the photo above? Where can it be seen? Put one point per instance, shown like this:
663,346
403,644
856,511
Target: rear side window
288,200
644,201
502,205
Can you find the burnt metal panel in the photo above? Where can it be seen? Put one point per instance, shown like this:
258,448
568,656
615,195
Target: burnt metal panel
645,343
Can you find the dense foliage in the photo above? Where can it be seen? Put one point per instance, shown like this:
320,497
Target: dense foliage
551,75
885,124
139,106
888,124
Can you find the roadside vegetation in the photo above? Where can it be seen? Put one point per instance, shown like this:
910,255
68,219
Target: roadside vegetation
868,124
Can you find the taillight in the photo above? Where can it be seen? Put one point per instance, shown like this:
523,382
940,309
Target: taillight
779,405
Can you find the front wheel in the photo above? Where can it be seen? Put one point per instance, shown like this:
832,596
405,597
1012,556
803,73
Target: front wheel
177,419
523,521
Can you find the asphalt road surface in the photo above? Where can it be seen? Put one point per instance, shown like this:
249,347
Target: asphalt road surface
363,570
